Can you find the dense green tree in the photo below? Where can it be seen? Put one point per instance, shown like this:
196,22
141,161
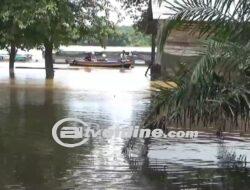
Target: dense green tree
54,24
63,21
50,23
15,18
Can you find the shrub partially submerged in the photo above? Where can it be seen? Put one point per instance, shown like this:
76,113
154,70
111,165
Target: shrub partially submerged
215,93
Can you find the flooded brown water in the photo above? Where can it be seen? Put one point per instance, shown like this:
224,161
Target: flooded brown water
30,159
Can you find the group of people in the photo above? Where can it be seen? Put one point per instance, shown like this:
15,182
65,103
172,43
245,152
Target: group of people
91,56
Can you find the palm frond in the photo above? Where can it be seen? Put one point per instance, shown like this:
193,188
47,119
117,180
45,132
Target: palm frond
221,58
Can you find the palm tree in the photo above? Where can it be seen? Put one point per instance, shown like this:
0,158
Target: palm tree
216,91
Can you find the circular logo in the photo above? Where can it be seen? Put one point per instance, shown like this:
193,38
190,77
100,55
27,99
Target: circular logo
71,133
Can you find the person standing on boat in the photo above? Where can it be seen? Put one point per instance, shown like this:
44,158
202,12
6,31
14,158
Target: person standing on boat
123,56
93,57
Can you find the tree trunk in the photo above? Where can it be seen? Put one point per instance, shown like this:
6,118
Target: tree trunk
49,61
12,53
153,49
152,53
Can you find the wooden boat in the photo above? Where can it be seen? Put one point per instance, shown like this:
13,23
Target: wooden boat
97,63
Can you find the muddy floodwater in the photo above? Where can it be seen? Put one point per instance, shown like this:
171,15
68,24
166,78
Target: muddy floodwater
30,159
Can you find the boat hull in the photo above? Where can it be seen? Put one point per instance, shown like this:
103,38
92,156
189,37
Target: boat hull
127,64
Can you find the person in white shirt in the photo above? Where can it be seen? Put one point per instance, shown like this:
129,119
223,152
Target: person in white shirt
123,56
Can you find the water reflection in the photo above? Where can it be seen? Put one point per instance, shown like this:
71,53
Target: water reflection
29,158
203,163
29,106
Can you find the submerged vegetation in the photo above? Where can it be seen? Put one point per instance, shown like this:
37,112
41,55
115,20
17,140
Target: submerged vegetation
215,91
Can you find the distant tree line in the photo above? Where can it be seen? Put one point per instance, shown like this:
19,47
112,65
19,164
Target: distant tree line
122,36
